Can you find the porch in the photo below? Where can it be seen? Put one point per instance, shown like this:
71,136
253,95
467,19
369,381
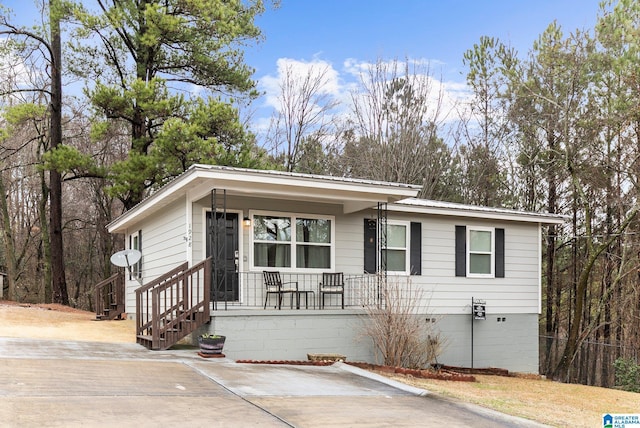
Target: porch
247,290
297,328
183,300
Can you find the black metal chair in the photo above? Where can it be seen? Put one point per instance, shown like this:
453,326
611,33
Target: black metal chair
274,285
332,283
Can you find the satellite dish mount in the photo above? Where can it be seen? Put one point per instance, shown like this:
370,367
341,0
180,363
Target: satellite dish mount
127,258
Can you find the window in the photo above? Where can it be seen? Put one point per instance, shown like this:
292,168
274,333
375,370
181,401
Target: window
404,245
396,247
314,243
135,243
292,242
481,246
479,251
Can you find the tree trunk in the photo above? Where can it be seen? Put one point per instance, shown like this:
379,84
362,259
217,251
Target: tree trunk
562,370
551,286
59,285
8,241
46,239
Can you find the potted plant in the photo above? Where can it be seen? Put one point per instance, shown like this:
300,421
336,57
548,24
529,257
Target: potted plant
211,344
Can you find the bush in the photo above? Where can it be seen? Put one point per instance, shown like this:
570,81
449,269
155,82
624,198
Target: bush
627,374
398,329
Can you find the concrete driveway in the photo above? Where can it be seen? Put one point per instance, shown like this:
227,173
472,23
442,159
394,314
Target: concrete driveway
83,384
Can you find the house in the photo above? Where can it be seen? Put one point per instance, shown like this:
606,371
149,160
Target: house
207,236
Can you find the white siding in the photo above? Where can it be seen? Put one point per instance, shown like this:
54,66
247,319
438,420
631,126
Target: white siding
163,246
198,231
517,292
350,244
443,292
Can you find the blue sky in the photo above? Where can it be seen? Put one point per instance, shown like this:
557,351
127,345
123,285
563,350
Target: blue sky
437,30
338,33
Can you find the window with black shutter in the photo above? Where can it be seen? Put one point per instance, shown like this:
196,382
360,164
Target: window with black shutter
402,247
479,252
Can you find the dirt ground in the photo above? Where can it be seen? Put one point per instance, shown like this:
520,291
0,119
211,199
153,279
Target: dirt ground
552,403
60,322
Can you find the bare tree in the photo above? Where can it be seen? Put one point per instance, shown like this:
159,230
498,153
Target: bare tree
304,111
50,53
397,329
392,131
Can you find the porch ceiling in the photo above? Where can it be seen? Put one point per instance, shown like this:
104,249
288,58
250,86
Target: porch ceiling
351,200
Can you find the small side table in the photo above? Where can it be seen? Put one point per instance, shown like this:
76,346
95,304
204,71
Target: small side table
306,298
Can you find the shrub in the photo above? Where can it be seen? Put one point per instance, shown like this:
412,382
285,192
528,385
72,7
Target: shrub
627,374
397,327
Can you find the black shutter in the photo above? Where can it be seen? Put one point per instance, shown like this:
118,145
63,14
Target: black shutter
461,251
370,244
415,258
499,253
131,248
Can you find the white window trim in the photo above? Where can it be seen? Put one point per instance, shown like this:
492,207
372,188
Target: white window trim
293,217
407,248
135,270
492,266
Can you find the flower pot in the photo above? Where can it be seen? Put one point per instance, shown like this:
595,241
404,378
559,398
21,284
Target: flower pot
211,345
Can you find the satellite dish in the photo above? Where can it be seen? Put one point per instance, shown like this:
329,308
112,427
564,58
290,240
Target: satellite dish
126,258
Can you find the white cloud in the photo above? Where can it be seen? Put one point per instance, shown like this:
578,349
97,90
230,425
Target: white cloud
332,87
13,70
343,83
271,84
447,97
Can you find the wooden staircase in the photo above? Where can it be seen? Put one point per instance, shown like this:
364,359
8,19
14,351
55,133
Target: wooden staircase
173,306
109,298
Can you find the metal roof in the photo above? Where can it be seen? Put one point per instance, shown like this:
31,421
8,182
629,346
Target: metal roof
451,208
352,193
308,176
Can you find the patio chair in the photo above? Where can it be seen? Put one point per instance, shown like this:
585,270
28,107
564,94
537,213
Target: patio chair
274,285
332,283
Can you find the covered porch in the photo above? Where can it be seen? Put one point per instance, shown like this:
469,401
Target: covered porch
207,237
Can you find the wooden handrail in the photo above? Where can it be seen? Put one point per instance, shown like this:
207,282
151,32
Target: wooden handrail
174,305
109,297
166,277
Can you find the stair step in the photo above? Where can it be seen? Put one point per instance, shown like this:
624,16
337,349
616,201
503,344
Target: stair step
148,338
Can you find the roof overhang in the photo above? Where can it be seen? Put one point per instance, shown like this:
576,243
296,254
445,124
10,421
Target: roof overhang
425,206
198,181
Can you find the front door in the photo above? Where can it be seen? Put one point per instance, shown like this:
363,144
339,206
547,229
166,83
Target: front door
222,245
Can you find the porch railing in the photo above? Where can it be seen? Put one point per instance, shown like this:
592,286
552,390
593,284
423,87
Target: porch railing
360,290
172,306
109,297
